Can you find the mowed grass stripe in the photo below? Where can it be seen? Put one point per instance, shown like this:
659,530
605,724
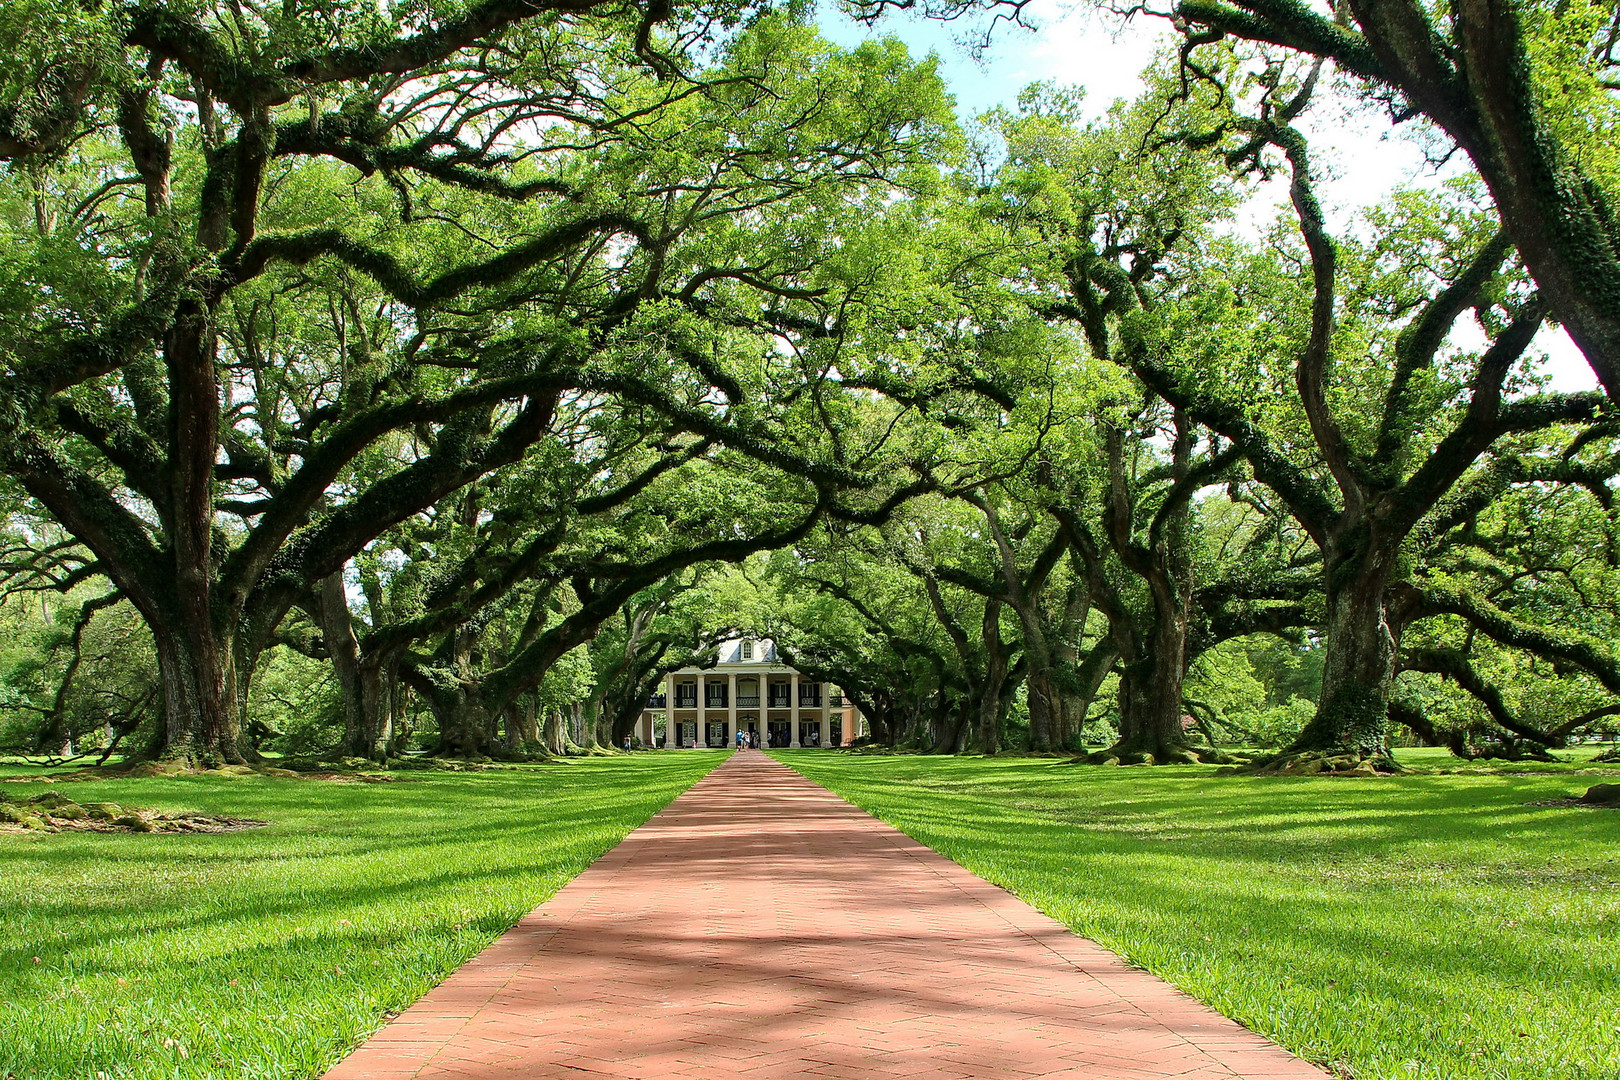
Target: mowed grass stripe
272,952
1435,926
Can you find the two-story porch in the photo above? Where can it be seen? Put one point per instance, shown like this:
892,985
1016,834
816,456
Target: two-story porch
747,691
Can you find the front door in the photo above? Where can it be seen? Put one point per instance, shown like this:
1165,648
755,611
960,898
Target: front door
781,733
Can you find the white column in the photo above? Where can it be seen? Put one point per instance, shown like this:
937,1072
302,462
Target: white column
793,702
731,710
669,711
702,709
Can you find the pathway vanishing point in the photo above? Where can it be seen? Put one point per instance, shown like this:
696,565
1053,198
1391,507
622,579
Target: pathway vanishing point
760,927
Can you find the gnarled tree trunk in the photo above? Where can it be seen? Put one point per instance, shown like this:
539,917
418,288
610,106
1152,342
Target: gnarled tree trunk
1359,667
994,685
199,718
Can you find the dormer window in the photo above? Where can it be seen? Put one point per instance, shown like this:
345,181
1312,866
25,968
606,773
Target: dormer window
748,650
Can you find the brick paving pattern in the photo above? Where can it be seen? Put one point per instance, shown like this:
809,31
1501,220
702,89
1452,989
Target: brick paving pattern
760,927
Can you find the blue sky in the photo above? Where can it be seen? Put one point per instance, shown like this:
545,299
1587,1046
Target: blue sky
1070,46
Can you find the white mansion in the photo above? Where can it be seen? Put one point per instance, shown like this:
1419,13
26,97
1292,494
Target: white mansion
747,690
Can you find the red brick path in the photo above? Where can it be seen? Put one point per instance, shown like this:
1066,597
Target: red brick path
762,928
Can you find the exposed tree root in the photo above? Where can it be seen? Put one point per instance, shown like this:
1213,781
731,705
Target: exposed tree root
1324,763
1503,751
1601,795
52,811
1139,753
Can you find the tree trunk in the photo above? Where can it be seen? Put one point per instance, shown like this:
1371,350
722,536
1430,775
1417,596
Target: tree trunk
378,686
1155,655
1075,689
876,708
1157,727
1359,668
959,726
964,727
1040,686
995,681
460,708
463,722
331,607
944,724
554,733
199,718
522,724
1150,678
582,724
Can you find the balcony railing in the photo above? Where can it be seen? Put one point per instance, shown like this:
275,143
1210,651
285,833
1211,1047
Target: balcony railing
746,702
835,701
714,701
779,702
686,702
809,702
657,701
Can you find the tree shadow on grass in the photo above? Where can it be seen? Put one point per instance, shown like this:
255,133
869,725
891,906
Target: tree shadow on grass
1378,920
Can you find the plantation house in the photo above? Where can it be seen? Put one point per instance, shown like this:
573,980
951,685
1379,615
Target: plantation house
747,690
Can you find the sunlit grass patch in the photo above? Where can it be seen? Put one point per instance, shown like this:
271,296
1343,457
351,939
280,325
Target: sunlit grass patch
271,953
1416,926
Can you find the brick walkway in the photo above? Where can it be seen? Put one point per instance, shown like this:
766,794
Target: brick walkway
762,928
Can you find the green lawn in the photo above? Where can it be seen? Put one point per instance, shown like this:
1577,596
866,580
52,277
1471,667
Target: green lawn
272,952
1418,926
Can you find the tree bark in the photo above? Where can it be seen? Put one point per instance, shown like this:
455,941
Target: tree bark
337,632
554,732
1040,688
464,727
876,708
522,723
199,722
995,680
378,696
1151,728
1359,668
582,726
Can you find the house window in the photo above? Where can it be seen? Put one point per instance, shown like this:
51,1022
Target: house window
748,650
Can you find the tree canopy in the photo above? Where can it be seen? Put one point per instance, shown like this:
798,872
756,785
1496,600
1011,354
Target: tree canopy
443,377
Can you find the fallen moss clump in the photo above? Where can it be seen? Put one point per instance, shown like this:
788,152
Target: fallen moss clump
52,811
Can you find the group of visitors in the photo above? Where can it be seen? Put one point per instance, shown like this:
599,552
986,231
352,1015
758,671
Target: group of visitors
747,740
